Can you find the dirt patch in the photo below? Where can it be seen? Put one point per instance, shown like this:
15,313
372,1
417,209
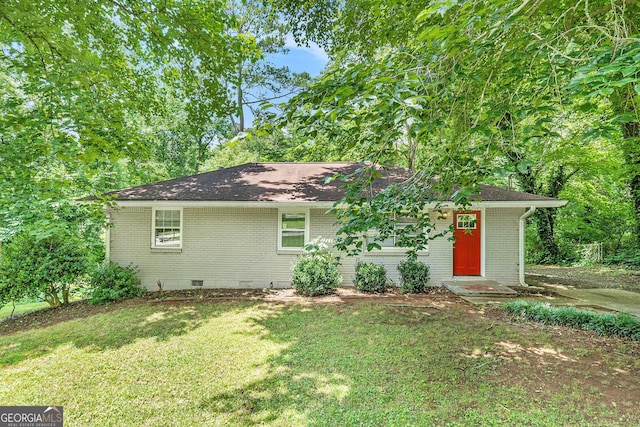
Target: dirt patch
570,359
584,277
351,295
190,294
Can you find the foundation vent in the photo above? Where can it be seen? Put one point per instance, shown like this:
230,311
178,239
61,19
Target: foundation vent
197,283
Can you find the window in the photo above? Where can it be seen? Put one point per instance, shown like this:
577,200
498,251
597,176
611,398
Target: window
394,240
466,221
292,229
167,228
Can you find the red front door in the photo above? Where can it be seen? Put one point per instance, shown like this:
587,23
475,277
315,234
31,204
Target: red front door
466,248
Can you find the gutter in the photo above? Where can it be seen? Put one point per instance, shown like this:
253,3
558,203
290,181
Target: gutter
521,238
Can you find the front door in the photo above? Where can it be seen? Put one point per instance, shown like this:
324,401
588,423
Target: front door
466,248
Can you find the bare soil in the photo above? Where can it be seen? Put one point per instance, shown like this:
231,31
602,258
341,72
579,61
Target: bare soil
585,277
610,366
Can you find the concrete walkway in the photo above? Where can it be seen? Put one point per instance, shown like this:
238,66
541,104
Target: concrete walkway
611,300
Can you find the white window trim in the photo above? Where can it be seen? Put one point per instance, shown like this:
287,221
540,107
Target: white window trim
387,249
153,227
307,220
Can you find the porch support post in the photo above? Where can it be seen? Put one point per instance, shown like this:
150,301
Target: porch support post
521,239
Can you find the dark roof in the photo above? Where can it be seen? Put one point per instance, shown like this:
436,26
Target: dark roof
281,182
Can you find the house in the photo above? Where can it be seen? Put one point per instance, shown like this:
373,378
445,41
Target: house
244,226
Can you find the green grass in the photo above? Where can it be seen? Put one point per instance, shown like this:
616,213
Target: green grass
246,363
6,310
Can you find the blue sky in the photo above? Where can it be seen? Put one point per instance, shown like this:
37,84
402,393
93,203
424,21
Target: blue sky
311,59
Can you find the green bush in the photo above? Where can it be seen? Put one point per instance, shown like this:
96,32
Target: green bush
370,277
414,276
606,324
34,264
112,282
627,256
316,271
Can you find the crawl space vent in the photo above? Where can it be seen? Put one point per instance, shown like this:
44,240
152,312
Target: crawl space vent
197,283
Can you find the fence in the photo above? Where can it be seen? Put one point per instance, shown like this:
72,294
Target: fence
591,253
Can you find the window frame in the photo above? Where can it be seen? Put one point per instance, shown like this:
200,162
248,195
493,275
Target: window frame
307,220
398,249
464,218
153,227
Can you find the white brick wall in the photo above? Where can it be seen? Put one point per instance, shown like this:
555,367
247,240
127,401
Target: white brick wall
237,247
501,244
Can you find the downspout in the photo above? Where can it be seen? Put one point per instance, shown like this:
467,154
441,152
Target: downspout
107,239
521,238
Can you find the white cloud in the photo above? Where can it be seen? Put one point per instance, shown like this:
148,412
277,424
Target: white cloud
313,49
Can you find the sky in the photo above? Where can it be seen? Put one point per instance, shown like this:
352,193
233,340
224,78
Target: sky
311,59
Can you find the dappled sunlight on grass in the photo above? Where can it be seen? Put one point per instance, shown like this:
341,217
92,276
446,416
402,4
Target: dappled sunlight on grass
512,349
102,331
515,351
247,363
331,386
145,378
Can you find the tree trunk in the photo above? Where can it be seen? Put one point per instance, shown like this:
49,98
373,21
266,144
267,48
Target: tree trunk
545,218
545,221
239,101
65,296
200,152
52,299
631,148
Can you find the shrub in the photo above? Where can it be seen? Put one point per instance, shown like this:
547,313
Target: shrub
34,264
414,276
607,324
629,256
111,282
316,271
370,277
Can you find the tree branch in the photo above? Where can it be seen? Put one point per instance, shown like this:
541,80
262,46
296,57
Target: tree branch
609,7
272,98
29,37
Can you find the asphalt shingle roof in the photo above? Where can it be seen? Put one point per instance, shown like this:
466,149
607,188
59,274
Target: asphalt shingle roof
281,182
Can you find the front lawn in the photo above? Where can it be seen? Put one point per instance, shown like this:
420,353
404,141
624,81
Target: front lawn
23,307
366,363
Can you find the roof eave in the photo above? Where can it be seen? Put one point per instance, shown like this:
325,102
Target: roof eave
516,204
327,204
222,204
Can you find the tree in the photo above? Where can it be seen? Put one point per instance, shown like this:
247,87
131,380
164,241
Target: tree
441,77
81,78
257,80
